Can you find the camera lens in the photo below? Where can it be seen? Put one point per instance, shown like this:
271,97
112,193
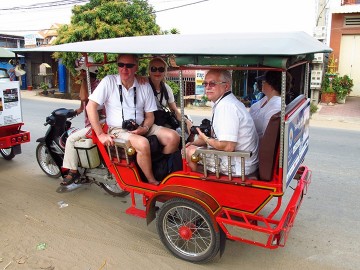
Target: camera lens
130,125
193,130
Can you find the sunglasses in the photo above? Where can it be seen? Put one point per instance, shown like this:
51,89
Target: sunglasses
160,69
121,65
211,84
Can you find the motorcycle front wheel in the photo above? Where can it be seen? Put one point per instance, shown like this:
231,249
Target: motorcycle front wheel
7,153
46,162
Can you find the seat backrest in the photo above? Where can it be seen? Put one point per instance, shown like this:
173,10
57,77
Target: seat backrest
269,143
268,147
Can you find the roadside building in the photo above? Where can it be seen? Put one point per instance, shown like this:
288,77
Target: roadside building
345,40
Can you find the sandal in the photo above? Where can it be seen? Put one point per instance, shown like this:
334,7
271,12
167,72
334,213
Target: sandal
70,178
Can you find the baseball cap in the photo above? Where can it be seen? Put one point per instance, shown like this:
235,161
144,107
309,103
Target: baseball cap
273,78
260,78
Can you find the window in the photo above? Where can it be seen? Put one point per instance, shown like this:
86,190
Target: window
352,21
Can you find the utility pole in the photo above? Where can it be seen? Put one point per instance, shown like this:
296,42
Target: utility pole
320,59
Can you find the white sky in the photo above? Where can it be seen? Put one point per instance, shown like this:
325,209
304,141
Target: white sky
212,16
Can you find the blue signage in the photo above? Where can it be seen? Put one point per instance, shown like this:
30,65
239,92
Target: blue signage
296,141
199,78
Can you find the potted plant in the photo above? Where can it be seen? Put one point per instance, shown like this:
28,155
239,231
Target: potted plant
341,94
327,92
342,86
347,83
44,86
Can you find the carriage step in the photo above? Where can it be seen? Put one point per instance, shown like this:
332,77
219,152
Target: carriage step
132,210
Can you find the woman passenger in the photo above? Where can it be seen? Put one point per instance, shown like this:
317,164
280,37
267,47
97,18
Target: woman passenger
270,104
157,72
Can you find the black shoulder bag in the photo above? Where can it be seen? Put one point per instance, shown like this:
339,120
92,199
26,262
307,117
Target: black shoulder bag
163,116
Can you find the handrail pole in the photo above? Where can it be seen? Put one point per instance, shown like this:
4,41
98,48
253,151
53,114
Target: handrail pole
306,85
282,120
183,153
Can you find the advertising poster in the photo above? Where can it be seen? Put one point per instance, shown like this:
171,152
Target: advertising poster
10,107
296,141
30,40
199,78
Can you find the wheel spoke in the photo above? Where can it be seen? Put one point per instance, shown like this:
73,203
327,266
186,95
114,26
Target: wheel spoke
185,246
199,241
181,215
6,151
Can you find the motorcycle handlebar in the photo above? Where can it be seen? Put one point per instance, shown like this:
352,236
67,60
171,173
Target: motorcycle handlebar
62,112
72,113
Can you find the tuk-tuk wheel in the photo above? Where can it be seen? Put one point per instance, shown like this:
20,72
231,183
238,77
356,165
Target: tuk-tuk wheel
187,230
7,153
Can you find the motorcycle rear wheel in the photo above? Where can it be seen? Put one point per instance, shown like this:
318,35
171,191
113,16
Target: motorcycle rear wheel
7,153
46,162
114,189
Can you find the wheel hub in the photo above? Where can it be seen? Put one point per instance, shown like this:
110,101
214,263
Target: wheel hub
186,232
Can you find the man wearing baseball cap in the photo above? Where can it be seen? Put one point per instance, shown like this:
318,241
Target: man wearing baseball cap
71,159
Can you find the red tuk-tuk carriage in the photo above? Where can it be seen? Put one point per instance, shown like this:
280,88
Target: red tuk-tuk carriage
197,211
11,133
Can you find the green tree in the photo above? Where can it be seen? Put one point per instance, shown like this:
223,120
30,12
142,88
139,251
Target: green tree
172,31
101,19
175,88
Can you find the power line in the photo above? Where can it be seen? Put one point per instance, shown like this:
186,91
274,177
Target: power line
167,1
25,30
45,5
166,9
171,8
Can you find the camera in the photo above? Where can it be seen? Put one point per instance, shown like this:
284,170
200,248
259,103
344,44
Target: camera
172,121
205,128
130,125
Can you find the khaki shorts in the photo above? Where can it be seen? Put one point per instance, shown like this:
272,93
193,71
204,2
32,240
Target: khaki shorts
120,133
223,164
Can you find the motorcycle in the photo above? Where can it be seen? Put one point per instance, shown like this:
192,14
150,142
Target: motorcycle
50,154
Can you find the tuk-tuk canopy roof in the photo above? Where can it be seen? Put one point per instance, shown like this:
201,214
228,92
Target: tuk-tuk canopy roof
245,47
4,53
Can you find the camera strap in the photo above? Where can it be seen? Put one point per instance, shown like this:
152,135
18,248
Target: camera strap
212,118
121,101
163,92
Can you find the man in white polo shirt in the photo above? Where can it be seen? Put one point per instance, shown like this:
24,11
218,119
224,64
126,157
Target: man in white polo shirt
129,114
232,126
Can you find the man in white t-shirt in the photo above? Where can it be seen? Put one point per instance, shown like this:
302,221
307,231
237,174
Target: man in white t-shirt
127,101
232,127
